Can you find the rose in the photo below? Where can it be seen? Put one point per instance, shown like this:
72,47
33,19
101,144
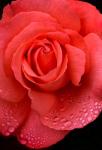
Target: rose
50,69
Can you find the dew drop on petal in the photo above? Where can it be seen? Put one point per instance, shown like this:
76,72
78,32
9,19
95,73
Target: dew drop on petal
67,123
89,118
86,114
23,141
11,129
6,133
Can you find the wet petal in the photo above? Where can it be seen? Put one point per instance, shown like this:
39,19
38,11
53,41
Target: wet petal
75,108
35,135
12,115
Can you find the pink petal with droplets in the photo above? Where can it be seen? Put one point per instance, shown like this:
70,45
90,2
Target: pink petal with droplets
75,108
12,115
35,135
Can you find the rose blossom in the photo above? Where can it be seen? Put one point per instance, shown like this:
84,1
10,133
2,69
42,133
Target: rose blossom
50,69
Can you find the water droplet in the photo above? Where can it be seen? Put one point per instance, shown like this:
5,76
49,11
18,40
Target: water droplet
46,118
89,118
62,127
96,103
56,118
85,114
71,116
23,141
63,120
7,133
2,124
84,110
62,109
8,123
0,90
21,135
32,139
96,111
29,142
67,123
83,121
91,110
11,129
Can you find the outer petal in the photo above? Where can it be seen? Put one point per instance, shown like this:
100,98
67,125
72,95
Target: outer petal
12,115
91,18
9,88
94,44
35,135
58,9
77,107
7,13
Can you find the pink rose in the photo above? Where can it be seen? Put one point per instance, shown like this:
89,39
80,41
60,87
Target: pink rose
50,69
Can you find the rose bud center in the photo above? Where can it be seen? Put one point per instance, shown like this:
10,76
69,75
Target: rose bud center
46,59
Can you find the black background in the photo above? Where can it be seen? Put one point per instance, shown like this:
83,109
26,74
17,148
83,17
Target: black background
88,138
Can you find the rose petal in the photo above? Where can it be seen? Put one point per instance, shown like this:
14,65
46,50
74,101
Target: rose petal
58,9
94,44
10,90
35,135
76,59
12,115
75,108
41,102
91,20
7,13
77,40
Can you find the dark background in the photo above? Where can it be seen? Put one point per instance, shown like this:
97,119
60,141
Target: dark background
88,138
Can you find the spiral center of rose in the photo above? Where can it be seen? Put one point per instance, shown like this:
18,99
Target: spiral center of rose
46,59
41,57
